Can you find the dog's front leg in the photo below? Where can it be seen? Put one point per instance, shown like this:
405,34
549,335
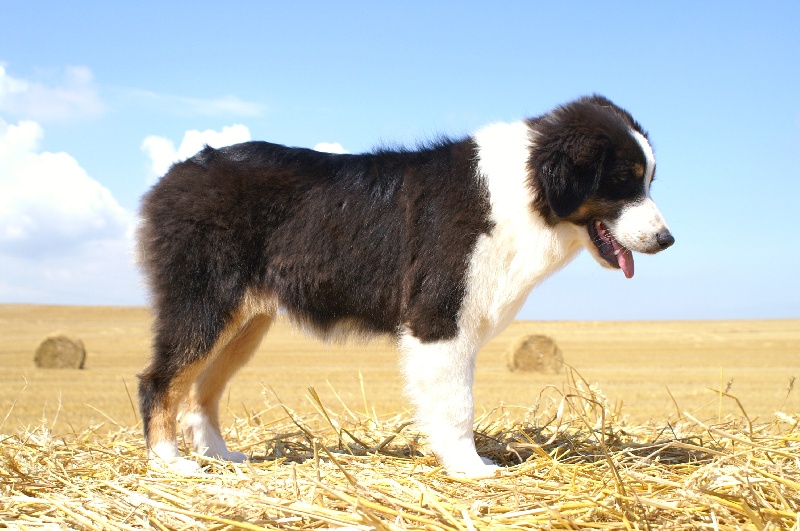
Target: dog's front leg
439,382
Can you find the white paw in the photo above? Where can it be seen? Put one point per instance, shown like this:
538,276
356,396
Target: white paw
165,454
485,468
233,457
185,466
207,440
177,465
477,472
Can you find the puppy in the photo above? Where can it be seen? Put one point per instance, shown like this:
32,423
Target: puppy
438,246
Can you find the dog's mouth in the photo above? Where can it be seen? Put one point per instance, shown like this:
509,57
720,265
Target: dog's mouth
610,249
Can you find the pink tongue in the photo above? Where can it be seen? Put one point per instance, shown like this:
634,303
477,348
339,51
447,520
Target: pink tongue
624,258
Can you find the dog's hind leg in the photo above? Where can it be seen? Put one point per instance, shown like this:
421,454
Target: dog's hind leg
200,420
163,385
439,379
192,373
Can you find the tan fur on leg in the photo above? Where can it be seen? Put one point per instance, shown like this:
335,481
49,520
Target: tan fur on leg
234,349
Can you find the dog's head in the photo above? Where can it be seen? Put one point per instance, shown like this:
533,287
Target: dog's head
592,165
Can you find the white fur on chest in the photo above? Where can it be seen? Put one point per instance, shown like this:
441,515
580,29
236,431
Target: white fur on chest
522,249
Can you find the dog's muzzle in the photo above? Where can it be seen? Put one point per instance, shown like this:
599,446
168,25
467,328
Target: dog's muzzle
665,239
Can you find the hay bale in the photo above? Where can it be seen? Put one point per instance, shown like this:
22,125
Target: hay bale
535,353
60,351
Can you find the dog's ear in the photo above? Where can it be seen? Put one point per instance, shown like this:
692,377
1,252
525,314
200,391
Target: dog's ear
567,159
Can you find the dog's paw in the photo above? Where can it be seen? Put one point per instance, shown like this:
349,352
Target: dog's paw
176,465
185,466
476,470
166,456
233,457
487,461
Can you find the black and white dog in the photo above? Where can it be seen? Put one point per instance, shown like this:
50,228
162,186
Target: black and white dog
438,246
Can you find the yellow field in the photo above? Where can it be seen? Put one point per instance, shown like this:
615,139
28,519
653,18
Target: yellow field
637,365
64,463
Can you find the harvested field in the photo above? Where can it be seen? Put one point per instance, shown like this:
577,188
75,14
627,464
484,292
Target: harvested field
655,449
571,465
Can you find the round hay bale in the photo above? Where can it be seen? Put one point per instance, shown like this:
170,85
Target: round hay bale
535,353
60,351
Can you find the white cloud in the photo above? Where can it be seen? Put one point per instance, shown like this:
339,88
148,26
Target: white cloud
330,147
162,153
94,272
47,198
72,94
228,105
63,236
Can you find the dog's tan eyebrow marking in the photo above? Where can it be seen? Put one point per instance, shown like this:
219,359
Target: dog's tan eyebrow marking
638,170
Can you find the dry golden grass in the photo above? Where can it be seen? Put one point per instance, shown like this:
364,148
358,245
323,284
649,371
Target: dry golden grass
652,369
687,450
572,463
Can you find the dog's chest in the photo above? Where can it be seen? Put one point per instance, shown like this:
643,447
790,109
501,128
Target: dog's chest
522,249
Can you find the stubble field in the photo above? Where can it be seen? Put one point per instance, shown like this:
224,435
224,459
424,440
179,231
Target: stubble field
652,370
655,425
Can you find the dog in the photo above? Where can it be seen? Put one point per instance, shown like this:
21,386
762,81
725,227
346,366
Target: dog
438,246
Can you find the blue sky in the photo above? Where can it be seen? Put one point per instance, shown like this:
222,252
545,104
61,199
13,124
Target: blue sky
96,98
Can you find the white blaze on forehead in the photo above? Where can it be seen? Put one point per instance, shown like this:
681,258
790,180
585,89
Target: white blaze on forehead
638,225
647,149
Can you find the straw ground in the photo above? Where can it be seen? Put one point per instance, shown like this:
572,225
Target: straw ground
571,464
323,457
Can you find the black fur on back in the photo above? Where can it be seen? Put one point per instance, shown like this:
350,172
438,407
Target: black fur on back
377,240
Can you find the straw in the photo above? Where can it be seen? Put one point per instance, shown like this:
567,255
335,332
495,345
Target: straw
571,462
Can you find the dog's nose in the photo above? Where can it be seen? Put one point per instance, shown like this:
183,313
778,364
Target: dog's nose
665,239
